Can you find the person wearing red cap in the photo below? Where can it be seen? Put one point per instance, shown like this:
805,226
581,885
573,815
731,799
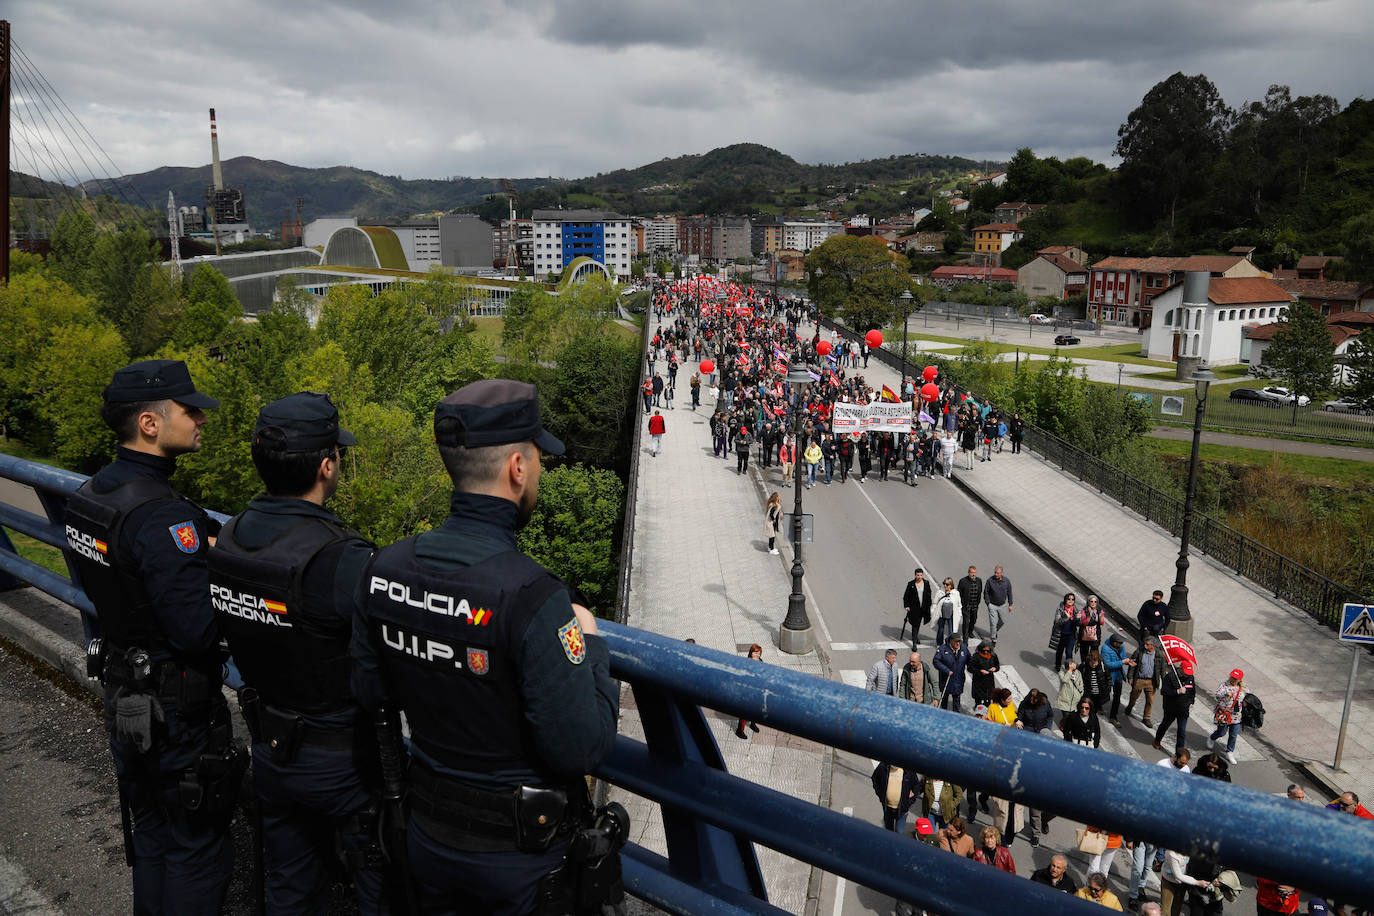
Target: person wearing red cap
1226,715
1177,693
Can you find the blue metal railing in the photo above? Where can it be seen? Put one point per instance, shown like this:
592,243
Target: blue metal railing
712,818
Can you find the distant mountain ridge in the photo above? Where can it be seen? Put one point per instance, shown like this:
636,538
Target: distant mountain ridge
728,179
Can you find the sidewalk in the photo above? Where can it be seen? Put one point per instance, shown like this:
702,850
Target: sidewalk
1295,665
702,571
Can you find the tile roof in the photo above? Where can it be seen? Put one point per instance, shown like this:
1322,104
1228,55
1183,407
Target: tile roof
1339,335
1215,263
962,272
996,227
1056,249
1242,249
1010,205
1312,262
1246,290
1345,290
1144,265
1066,264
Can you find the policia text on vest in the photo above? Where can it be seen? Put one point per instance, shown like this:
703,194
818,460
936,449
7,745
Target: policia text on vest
457,619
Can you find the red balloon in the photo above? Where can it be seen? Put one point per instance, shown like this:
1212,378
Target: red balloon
708,366
930,392
823,348
874,338
929,373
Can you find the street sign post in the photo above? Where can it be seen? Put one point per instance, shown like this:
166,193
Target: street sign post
1357,629
808,527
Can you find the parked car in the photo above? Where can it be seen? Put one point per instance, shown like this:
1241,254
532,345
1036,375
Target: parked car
1038,318
929,249
1344,405
1065,340
1253,396
1285,395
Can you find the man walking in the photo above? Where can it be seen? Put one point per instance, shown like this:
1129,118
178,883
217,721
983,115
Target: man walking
1147,669
883,676
1178,692
951,660
997,594
1153,616
970,590
743,441
657,427
916,601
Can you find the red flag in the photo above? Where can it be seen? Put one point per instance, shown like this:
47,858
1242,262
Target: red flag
1176,650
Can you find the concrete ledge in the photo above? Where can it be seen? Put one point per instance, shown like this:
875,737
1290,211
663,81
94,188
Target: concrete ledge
48,630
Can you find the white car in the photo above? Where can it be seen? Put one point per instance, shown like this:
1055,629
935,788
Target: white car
1285,395
1038,318
1344,405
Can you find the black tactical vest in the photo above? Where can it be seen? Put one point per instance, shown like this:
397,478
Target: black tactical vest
448,642
282,651
94,525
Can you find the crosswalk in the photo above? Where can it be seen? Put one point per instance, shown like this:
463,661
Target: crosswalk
1199,724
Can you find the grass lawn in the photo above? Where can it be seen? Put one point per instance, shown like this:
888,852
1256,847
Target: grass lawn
48,557
1335,470
1122,353
1240,371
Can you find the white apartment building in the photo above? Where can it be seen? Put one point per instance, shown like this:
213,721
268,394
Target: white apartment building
660,235
805,235
560,236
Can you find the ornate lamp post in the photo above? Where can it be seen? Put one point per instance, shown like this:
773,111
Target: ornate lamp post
1180,618
906,299
796,637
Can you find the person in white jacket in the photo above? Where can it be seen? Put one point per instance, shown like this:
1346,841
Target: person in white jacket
1174,878
948,611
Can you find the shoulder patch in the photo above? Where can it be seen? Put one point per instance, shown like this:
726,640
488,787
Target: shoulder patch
478,661
570,635
186,537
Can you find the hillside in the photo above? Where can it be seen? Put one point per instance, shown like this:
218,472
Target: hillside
271,189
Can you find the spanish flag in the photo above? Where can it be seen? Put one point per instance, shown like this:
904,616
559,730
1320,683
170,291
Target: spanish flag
890,395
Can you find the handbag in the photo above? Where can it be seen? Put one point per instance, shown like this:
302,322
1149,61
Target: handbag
1091,841
1056,634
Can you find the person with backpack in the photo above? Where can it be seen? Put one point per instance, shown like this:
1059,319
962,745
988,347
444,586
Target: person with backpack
1227,712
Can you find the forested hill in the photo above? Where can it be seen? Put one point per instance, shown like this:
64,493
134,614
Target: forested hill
271,189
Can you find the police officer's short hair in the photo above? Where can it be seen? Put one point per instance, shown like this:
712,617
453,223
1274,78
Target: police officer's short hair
122,416
286,473
472,467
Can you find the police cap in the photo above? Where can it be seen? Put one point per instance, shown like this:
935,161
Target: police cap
494,411
156,380
307,420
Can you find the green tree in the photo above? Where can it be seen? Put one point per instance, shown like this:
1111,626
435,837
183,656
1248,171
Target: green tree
855,278
391,333
393,483
1110,420
1301,354
1357,235
527,330
574,527
73,243
126,282
1360,365
210,306
67,391
1170,142
588,399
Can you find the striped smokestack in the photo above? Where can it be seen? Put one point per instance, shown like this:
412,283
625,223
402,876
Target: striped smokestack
214,154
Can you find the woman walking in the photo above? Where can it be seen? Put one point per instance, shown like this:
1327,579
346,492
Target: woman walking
949,615
1229,696
1089,629
1064,630
1081,725
1097,681
772,521
812,457
1070,692
756,653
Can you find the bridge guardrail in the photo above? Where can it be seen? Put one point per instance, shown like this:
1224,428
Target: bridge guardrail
1306,589
711,817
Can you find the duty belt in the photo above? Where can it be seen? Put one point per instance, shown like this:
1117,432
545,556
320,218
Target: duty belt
479,820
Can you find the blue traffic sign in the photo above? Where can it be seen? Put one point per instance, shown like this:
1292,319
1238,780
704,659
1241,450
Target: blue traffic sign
1356,624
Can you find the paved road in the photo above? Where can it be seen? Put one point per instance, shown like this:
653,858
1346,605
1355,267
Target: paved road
1290,446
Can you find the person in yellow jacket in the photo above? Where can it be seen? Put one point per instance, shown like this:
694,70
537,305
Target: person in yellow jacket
813,458
1096,891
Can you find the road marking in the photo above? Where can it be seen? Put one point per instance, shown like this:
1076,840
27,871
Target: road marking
876,645
840,883
854,677
17,893
909,551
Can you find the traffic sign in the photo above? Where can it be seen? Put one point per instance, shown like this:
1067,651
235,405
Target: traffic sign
808,532
1357,625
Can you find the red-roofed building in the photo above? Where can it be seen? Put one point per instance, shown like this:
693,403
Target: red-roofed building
1312,266
1332,297
1344,327
991,239
1216,330
953,275
1122,290
1068,251
1014,211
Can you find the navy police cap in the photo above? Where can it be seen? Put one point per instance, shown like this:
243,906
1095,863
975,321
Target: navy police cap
307,420
494,411
156,380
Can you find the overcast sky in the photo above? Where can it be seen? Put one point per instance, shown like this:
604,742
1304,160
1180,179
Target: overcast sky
532,87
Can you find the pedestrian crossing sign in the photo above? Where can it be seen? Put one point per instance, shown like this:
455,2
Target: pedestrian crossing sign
1357,625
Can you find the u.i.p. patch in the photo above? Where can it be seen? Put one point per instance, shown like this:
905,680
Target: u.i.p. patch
570,635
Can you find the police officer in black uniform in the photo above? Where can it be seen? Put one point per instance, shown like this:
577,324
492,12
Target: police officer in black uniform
503,678
283,576
140,553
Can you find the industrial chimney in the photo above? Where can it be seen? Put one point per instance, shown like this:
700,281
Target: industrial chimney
214,154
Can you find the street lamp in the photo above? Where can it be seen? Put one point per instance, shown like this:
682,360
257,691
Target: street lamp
1180,619
796,637
907,299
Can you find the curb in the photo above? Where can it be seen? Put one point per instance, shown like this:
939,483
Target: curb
1128,625
45,645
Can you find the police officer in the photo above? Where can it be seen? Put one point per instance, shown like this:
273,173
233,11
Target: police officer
140,553
283,574
503,679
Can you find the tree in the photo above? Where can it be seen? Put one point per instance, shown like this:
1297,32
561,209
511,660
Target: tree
1301,354
125,280
210,306
1170,142
573,529
855,277
73,242
1359,363
67,391
1357,233
588,396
